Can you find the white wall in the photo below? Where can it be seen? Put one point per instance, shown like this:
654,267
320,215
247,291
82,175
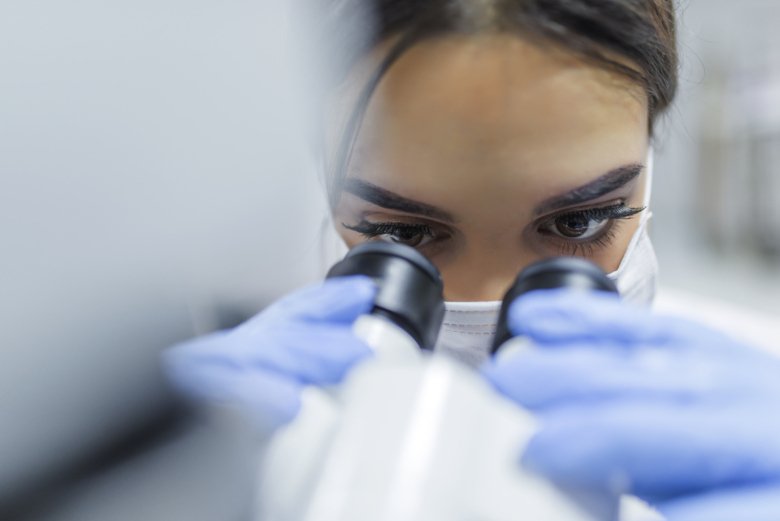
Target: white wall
706,225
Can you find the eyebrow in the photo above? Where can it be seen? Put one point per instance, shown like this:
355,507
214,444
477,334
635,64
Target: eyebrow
607,183
602,186
392,201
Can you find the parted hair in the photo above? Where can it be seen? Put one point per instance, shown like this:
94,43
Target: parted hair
633,38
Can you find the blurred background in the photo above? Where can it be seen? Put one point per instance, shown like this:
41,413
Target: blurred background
716,197
155,183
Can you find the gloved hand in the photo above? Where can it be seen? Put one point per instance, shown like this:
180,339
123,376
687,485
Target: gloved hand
663,408
262,365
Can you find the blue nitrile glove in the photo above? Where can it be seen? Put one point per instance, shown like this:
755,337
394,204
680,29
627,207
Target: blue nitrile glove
660,407
262,365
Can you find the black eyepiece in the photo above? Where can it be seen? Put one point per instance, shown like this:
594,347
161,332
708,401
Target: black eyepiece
558,272
410,287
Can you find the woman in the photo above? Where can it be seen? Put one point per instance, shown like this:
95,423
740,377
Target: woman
489,134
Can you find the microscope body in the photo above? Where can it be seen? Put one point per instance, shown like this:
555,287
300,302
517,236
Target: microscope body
411,435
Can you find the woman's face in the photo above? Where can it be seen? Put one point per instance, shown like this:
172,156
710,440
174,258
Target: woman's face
488,153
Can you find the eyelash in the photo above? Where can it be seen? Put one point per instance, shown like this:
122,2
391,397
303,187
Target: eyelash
571,247
372,230
615,213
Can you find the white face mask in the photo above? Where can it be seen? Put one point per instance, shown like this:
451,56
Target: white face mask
637,275
468,330
469,327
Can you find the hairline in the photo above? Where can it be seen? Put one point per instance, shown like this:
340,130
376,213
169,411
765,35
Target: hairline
399,44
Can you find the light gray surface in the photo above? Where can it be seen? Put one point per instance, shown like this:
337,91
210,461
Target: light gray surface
202,473
151,172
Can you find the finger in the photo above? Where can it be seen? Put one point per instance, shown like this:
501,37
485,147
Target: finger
654,450
268,398
554,316
538,378
754,502
315,354
340,299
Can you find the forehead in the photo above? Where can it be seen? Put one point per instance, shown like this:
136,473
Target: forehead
497,112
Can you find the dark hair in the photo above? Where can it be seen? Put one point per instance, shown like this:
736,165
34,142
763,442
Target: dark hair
608,33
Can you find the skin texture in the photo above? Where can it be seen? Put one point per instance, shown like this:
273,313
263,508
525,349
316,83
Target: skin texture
486,128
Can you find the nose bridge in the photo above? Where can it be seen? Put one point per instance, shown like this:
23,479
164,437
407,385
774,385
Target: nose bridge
484,272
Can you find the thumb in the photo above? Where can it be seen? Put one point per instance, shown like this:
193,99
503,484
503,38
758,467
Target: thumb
340,299
562,315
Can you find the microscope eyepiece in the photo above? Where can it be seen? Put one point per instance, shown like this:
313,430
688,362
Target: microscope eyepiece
558,272
410,287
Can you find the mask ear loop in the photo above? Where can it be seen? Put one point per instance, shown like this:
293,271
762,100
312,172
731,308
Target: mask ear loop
649,166
646,215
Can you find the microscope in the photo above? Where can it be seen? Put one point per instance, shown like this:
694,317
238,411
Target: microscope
414,435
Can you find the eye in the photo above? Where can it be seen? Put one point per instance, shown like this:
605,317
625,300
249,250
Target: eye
409,235
414,235
586,225
578,226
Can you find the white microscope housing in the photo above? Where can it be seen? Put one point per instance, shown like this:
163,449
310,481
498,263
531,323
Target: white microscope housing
410,435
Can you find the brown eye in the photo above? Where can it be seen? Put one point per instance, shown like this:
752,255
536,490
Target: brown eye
578,226
413,235
408,236
586,228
